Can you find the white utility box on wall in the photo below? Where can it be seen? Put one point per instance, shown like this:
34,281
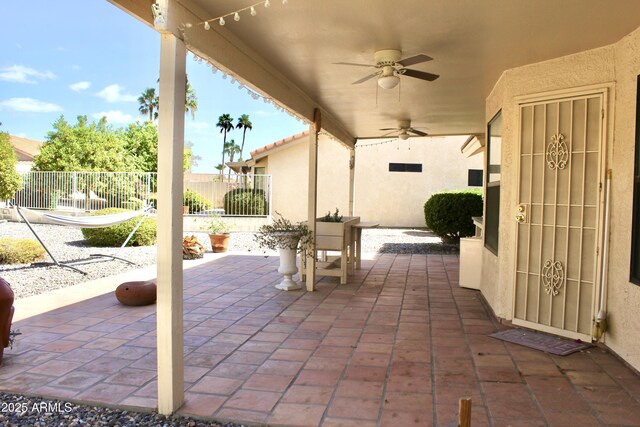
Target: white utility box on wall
471,258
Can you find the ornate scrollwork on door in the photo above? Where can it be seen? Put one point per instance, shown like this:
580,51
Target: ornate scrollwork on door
557,152
552,277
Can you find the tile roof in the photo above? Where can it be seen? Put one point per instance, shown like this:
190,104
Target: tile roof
264,151
25,148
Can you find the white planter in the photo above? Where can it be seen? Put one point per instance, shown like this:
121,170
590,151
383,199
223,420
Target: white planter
288,265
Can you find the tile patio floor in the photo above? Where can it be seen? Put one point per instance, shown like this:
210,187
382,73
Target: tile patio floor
397,346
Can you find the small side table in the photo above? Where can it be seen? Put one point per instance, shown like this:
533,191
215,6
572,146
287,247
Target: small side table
357,239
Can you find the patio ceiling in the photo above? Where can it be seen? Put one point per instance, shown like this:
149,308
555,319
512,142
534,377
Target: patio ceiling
472,43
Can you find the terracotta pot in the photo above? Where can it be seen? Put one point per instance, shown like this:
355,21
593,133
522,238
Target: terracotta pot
219,242
6,314
137,293
185,210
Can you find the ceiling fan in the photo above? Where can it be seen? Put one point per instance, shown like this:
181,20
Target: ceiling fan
404,130
390,67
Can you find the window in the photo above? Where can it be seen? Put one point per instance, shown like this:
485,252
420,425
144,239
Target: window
405,167
475,178
635,227
492,193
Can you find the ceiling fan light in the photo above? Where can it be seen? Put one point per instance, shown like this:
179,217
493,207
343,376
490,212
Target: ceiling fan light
388,82
403,136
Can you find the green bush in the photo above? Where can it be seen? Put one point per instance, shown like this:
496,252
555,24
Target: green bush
449,214
116,234
133,204
197,203
245,202
20,251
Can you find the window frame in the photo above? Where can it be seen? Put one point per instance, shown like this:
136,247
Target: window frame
491,191
634,268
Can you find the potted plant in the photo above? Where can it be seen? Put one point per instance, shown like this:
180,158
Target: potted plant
218,233
289,239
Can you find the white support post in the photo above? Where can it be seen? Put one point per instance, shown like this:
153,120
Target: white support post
314,128
170,284
352,183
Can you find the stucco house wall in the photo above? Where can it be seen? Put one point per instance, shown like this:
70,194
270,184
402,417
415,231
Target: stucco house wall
289,168
619,65
393,199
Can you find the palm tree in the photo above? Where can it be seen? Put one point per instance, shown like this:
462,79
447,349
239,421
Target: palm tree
232,149
149,103
225,123
243,123
191,103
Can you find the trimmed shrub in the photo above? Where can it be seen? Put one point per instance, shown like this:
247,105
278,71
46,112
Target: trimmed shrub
133,204
449,214
245,202
20,251
197,202
116,234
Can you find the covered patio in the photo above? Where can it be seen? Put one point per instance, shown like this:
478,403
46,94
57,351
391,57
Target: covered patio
398,345
352,70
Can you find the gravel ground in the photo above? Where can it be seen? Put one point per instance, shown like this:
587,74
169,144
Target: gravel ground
23,411
67,243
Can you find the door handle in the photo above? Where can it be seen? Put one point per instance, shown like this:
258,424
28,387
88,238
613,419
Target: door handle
521,216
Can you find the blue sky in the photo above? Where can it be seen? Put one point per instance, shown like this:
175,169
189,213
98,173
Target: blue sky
87,57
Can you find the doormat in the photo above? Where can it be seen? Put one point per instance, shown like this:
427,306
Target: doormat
543,342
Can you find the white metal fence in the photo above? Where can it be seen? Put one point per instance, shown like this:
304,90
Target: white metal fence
205,194
85,191
235,195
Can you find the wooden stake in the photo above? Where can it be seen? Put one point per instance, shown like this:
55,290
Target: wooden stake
465,412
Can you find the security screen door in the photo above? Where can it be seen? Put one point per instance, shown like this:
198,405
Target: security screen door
558,214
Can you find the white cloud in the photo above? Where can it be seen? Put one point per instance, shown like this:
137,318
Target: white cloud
79,86
114,116
29,105
22,74
114,93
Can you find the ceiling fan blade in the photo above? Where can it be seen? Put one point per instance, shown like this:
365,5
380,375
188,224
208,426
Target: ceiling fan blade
354,64
389,129
389,133
414,60
420,75
364,79
417,132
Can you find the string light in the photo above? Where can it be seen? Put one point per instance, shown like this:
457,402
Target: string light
236,14
376,143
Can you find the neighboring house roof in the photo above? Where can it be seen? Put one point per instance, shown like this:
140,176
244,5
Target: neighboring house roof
278,145
26,148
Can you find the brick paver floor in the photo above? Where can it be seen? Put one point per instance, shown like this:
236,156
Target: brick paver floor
398,346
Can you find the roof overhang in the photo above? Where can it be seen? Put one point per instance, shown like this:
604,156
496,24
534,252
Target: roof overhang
288,53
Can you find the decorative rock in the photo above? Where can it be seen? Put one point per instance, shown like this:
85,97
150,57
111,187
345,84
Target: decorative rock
137,293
